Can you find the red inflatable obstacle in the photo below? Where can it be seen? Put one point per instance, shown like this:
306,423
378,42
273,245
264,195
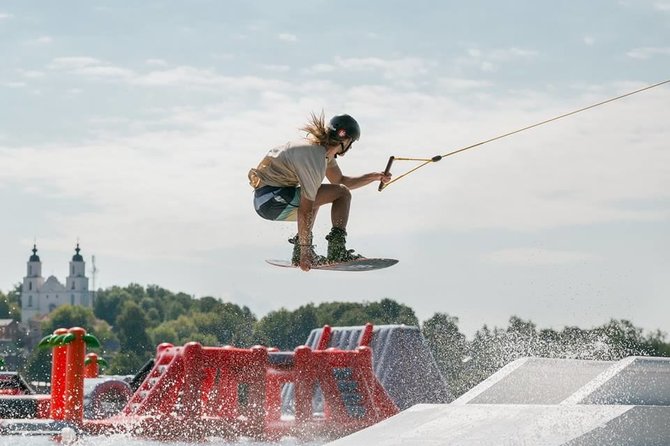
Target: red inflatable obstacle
18,398
194,392
58,370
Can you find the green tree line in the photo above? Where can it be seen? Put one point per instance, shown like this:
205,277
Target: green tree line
131,321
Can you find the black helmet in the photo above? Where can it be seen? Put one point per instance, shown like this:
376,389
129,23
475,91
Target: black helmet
344,126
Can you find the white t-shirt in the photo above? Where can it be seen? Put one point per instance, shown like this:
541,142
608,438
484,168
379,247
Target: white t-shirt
292,164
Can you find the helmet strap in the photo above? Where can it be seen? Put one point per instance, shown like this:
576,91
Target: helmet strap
344,149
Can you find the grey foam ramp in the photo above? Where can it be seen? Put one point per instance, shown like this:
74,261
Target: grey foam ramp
501,424
638,426
535,381
633,381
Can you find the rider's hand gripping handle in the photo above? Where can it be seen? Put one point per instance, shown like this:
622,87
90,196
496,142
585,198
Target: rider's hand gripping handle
386,172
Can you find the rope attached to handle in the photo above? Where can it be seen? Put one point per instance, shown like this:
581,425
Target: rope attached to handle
436,158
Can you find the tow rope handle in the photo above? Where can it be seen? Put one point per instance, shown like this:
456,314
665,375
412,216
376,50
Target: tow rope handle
386,171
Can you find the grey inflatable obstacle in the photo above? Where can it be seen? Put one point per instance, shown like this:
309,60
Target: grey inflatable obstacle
402,361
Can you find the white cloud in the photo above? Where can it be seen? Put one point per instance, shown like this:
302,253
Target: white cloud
286,37
44,40
5,16
180,76
73,63
14,84
662,6
589,40
648,52
200,78
501,54
488,67
276,68
31,74
512,54
91,68
156,62
397,70
528,257
463,84
223,56
489,60
319,68
106,71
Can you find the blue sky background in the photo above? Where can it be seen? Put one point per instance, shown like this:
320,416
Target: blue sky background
131,126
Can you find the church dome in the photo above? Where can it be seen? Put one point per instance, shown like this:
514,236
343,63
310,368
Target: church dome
34,257
77,257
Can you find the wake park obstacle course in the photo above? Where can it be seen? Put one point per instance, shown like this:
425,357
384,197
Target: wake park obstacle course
193,392
359,384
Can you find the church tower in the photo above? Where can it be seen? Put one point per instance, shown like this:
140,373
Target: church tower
32,284
40,296
76,283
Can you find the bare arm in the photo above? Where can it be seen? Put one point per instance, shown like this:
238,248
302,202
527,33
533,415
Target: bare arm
334,175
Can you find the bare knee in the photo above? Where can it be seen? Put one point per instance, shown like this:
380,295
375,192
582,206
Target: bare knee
344,192
330,193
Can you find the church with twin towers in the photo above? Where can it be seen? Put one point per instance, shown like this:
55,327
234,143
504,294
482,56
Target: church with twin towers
40,297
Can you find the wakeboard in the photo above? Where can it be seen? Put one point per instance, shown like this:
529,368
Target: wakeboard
364,264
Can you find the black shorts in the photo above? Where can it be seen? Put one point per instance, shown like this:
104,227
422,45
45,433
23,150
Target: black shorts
277,203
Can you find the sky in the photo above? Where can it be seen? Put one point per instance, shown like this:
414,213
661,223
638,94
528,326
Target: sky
130,127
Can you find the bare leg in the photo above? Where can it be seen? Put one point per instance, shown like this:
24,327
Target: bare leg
340,197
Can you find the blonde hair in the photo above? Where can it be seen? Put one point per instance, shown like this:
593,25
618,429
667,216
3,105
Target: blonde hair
317,131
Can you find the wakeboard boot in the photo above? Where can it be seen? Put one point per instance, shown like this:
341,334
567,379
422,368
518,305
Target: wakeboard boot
337,247
295,257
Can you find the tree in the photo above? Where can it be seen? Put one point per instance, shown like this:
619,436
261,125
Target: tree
154,317
174,309
449,347
68,316
126,363
131,329
274,330
176,332
304,321
624,339
5,312
341,314
350,316
163,333
208,304
10,304
388,311
234,324
38,366
656,344
136,291
286,329
484,357
161,295
108,303
184,299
